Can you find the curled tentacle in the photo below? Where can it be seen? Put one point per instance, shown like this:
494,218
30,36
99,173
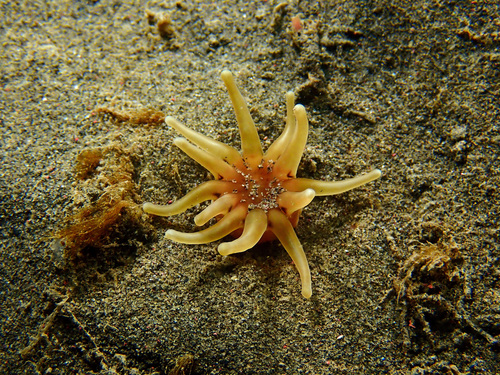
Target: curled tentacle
229,223
220,206
254,228
291,201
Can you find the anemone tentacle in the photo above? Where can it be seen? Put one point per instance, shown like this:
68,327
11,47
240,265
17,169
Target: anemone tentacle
204,192
289,161
279,145
254,228
220,206
250,142
283,230
323,188
229,223
291,201
208,144
219,168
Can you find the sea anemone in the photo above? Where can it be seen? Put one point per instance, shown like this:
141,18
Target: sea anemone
255,195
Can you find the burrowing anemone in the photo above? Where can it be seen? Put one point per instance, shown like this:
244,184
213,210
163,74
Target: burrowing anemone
256,195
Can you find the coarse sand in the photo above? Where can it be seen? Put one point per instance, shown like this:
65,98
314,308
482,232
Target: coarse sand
405,269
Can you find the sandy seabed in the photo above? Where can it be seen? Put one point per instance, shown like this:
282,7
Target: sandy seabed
405,269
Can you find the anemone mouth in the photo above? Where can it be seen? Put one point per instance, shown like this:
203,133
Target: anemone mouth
258,187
